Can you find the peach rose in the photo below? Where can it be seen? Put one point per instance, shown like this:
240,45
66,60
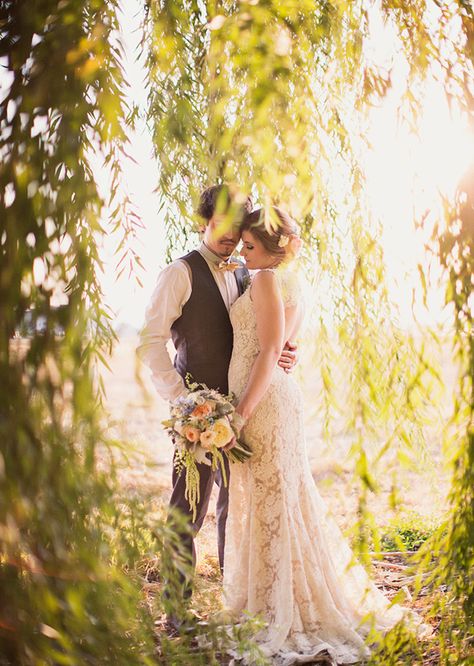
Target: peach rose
191,434
207,439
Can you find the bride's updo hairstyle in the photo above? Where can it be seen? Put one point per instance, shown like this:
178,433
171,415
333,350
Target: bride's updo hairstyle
279,236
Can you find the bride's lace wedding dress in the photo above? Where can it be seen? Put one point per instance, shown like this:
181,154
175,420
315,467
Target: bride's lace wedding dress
285,558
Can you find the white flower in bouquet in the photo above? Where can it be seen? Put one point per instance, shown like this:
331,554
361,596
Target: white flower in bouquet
179,427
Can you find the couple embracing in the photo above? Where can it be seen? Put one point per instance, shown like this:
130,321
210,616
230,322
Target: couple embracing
283,557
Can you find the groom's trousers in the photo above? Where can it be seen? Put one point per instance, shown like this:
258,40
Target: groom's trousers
179,503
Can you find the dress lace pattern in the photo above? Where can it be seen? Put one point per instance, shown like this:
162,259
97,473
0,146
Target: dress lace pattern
285,559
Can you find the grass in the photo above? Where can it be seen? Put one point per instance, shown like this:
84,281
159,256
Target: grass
408,532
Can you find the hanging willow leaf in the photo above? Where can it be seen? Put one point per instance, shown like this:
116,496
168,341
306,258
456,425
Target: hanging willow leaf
275,97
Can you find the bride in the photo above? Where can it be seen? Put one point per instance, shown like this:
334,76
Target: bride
285,558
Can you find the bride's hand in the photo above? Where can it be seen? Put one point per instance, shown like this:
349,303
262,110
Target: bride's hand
238,423
289,357
230,445
240,418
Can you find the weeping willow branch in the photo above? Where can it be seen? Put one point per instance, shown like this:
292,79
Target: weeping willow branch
276,96
64,596
449,557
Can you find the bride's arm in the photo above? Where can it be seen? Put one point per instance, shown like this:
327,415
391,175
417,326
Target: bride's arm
270,316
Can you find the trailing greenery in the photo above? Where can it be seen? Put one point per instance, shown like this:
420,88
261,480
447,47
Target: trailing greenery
65,598
449,557
272,95
71,542
275,96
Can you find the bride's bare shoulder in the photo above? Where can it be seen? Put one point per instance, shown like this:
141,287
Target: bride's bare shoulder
265,274
264,286
264,280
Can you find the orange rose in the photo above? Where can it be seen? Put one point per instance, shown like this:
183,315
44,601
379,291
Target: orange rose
202,410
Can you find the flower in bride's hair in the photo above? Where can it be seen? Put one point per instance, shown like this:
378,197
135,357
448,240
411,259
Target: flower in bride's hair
295,244
283,241
207,439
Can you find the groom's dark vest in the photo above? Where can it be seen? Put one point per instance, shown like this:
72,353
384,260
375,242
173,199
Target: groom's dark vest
202,335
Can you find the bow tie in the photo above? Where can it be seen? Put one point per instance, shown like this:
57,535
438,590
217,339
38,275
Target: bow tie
228,266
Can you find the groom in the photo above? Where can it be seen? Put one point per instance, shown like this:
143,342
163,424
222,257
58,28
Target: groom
190,304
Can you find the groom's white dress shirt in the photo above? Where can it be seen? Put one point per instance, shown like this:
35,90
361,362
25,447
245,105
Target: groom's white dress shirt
172,291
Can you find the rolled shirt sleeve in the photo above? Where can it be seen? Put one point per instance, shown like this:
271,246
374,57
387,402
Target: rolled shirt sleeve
171,292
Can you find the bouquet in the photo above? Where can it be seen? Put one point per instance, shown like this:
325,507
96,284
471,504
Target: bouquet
202,423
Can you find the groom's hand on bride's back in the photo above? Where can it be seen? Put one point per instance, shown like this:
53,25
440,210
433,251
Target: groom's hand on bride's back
289,356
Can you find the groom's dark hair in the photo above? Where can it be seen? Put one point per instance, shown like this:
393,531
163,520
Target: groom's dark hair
222,197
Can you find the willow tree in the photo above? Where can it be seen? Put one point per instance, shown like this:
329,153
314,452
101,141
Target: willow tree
71,541
268,94
275,95
64,598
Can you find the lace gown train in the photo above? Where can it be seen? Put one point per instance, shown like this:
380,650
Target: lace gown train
285,558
